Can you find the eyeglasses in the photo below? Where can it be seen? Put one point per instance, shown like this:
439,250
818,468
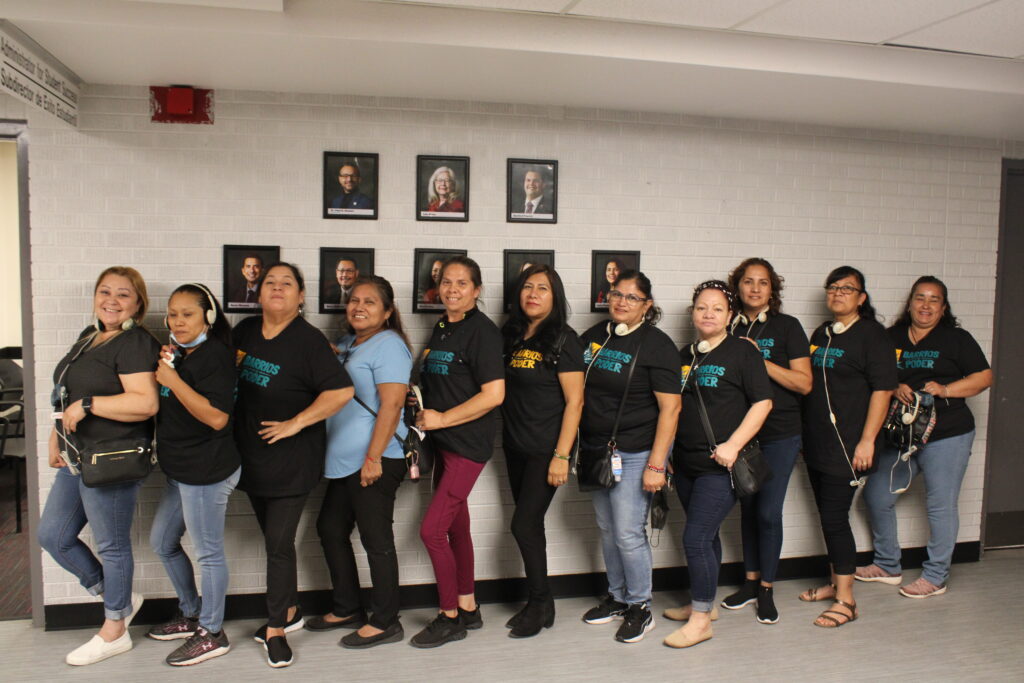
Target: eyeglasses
845,290
631,299
348,175
345,270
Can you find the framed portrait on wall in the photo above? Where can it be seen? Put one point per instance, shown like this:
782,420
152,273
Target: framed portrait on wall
532,191
244,267
605,266
339,268
442,188
426,278
350,185
516,261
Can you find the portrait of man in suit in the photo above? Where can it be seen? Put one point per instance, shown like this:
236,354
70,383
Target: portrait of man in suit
532,191
350,185
244,267
339,270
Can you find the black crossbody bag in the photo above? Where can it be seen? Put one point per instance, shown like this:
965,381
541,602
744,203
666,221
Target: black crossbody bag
750,469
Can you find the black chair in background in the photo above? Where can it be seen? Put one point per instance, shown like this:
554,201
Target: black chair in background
12,421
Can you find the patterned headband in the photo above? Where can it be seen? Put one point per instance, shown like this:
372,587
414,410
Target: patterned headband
714,284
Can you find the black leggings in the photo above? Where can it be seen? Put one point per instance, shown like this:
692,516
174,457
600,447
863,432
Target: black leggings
279,518
834,497
528,476
347,504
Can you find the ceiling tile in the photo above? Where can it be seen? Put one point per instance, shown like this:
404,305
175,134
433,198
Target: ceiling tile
996,29
551,6
864,21
698,13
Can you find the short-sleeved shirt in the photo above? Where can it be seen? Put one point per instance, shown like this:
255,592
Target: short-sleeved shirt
945,355
97,371
657,370
781,338
277,379
382,359
459,359
192,452
534,401
858,362
731,377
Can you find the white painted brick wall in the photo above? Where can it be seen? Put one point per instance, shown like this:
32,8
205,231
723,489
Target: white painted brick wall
694,194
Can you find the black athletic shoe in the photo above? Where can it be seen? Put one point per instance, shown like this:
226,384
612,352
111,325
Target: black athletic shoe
201,646
637,621
179,626
744,596
609,608
392,634
295,624
443,629
471,620
279,654
766,612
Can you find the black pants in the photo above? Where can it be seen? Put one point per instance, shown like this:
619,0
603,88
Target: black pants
279,518
528,475
346,505
834,497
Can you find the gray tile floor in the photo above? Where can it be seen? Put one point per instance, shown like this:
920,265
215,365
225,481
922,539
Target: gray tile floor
975,632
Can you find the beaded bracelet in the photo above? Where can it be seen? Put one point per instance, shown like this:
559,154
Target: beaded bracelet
652,468
560,456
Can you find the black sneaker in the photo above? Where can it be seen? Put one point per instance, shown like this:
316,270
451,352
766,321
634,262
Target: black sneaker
178,627
279,654
201,646
471,620
609,608
443,629
637,622
744,596
295,624
766,612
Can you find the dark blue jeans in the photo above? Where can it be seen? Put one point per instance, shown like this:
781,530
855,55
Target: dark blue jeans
762,512
707,500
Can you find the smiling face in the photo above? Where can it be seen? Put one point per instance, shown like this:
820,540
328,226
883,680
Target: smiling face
533,185
622,310
366,313
348,178
186,317
443,184
252,268
346,272
280,292
458,292
611,271
755,288
927,306
711,313
536,297
115,301
435,271
843,304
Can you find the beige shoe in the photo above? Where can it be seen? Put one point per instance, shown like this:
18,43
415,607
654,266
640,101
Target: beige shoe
683,613
679,639
97,649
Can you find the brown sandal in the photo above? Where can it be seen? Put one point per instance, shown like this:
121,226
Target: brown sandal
812,594
835,623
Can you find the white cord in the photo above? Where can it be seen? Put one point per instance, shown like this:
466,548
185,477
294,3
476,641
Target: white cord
856,481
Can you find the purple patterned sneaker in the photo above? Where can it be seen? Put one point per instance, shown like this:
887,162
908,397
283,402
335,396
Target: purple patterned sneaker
202,645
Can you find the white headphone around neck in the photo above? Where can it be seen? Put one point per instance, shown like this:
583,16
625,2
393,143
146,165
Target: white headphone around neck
703,346
838,327
857,481
741,319
126,325
622,329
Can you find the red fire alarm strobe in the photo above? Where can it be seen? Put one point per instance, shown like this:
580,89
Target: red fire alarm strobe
180,104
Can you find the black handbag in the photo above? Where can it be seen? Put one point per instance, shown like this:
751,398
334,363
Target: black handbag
908,427
750,469
116,461
419,458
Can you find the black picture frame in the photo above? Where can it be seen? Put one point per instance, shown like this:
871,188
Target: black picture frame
517,260
546,173
424,290
361,202
426,208
333,299
599,285
236,257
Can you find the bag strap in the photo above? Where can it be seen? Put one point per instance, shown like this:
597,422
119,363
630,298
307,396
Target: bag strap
370,411
625,391
702,410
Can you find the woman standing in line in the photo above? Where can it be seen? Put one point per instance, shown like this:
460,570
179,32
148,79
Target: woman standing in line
289,382
463,381
201,465
365,465
854,365
541,417
782,342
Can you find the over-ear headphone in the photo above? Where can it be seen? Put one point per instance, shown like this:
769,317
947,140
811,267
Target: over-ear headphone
838,327
741,318
703,346
620,329
126,325
211,312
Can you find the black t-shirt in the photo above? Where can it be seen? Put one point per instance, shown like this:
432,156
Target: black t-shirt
96,372
534,402
860,361
277,379
657,370
190,451
731,378
945,355
459,359
781,339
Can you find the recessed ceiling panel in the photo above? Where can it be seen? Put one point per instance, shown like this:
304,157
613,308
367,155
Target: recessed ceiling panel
996,29
550,6
265,5
698,13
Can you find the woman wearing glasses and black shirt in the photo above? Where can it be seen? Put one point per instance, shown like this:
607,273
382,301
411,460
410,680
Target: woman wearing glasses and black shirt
644,439
854,365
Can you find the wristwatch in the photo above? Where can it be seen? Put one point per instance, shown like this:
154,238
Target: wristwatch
87,405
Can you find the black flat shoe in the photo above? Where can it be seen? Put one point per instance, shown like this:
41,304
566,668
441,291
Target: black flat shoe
355,620
392,634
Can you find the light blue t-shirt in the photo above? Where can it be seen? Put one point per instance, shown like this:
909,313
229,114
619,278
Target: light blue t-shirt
381,359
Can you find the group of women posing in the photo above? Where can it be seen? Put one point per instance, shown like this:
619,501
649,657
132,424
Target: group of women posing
258,407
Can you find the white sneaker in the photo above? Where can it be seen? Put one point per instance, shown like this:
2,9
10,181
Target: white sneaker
97,649
137,600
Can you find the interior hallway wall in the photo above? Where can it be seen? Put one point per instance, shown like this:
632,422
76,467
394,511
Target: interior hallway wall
10,263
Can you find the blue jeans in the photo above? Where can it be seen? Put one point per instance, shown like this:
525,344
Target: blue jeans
108,511
707,500
201,510
943,464
621,513
762,512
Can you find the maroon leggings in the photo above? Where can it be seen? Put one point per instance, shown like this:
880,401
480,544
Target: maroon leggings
445,528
